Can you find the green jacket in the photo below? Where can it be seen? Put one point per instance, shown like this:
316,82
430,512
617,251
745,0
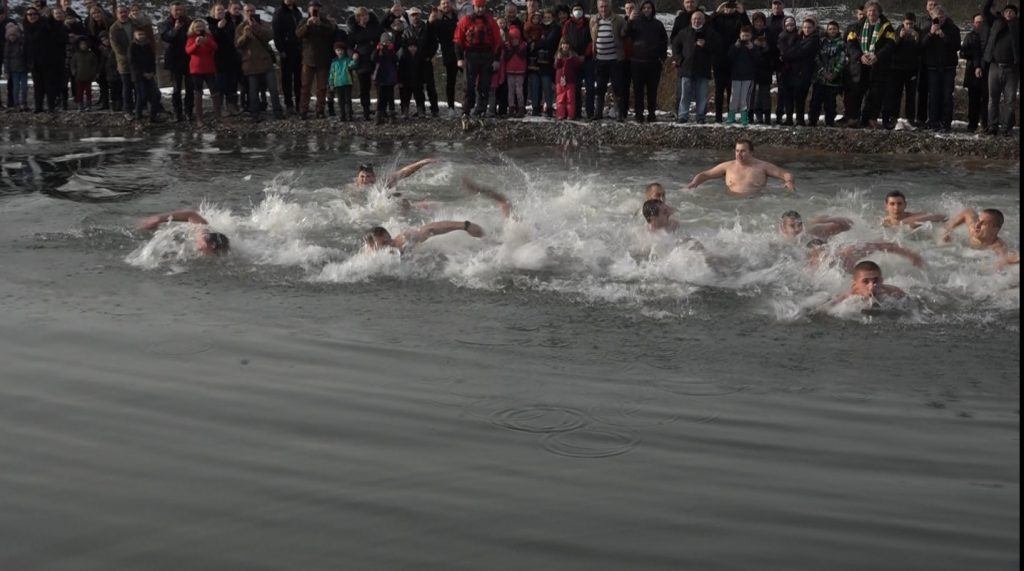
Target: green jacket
830,62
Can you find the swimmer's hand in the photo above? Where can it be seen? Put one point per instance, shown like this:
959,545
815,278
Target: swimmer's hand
475,230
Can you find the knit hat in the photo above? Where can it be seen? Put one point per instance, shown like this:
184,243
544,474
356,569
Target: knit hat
513,32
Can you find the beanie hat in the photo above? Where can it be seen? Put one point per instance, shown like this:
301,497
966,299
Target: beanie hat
513,32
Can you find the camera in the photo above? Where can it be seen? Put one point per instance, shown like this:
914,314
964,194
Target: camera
937,21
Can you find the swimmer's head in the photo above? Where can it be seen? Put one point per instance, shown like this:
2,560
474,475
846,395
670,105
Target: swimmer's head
744,150
986,227
213,243
867,277
657,213
817,243
792,225
365,176
655,191
895,203
378,238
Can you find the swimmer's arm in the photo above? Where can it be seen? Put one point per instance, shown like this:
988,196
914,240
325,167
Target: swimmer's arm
782,174
893,291
406,171
853,254
437,228
715,172
826,226
471,186
153,222
1008,260
924,217
967,215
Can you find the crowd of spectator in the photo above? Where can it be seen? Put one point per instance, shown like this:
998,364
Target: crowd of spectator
557,61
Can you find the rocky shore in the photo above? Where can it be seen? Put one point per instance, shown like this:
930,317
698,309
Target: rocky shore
501,132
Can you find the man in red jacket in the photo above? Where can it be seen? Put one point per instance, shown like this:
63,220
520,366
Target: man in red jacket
477,41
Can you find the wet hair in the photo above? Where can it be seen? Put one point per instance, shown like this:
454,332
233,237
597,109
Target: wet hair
866,266
376,233
365,167
996,214
791,214
217,242
817,243
910,16
652,208
747,142
895,194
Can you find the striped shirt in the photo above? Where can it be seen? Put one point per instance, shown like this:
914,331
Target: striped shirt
604,47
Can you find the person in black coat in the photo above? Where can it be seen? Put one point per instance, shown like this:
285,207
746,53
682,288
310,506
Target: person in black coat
693,50
229,63
442,22
869,46
364,31
726,23
787,39
174,33
650,47
941,48
44,50
975,79
905,69
761,97
800,57
1002,54
289,51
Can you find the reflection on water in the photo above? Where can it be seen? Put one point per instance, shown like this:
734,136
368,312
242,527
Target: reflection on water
568,392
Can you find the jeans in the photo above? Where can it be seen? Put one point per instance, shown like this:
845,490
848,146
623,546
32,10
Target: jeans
693,88
542,92
1002,95
478,81
646,75
823,95
127,91
291,78
18,90
941,83
146,91
227,85
258,83
181,80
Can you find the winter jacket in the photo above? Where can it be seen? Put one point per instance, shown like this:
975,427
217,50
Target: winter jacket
108,64
385,60
143,60
545,49
477,34
120,42
363,41
694,61
202,60
727,29
85,66
907,53
578,33
743,62
423,38
884,50
175,56
15,60
443,29
567,72
1003,45
972,51
317,42
341,75
44,44
514,58
830,62
682,21
650,41
253,43
227,57
800,58
286,21
618,27
944,50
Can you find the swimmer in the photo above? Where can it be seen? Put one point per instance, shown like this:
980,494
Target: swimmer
472,187
207,243
983,233
654,191
896,212
792,225
659,216
746,175
378,238
366,177
848,256
867,285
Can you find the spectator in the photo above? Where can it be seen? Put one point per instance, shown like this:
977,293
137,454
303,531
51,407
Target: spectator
650,44
97,24
851,89
385,75
477,40
744,59
1002,54
16,66
514,57
142,56
726,23
108,70
577,31
340,80
120,43
567,65
85,67
317,35
4,21
906,66
420,45
941,46
828,75
174,33
606,28
800,58
223,27
44,51
681,22
364,32
71,27
693,49
870,48
761,95
544,49
775,24
972,51
289,49
442,22
252,38
202,67
787,39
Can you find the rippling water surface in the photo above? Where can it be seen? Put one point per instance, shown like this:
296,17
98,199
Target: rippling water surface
568,392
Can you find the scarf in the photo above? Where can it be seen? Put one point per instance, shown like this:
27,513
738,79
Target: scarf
869,36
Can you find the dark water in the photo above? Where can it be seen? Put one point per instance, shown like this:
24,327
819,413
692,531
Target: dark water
561,403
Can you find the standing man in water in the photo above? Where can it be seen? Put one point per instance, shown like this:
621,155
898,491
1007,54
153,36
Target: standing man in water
746,175
983,232
207,243
896,212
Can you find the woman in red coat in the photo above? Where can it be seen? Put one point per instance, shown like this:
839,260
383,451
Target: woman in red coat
201,48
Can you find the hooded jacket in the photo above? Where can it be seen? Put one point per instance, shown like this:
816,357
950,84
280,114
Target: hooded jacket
286,21
650,42
443,28
577,31
799,58
694,61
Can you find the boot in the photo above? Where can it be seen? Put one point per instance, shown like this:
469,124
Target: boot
197,110
731,119
744,118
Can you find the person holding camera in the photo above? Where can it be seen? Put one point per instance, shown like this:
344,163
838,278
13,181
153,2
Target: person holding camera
222,28
202,67
941,47
692,49
252,38
289,49
174,33
1002,54
317,34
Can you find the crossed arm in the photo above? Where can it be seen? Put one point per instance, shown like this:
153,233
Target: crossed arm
153,222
